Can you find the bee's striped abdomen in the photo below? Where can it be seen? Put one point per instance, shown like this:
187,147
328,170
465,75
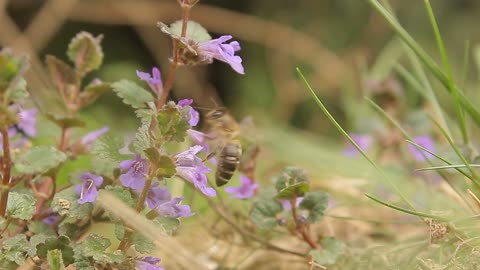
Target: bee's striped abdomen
228,162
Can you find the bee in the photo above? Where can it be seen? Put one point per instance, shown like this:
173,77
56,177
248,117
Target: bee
229,149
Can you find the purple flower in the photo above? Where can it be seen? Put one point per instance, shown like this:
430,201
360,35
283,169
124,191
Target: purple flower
426,142
157,196
200,138
154,80
149,263
191,168
135,176
194,115
364,141
91,137
287,206
88,190
245,190
173,209
217,49
28,121
51,219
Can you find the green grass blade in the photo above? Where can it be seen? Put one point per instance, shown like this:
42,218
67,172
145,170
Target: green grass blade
427,60
345,134
445,167
448,70
398,208
466,64
474,176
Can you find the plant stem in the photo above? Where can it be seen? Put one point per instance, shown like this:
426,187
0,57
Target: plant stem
176,55
124,244
300,227
7,166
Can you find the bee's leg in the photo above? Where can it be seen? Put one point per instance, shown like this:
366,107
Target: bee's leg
212,154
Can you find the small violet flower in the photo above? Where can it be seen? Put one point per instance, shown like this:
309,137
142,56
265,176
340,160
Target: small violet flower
149,263
194,115
364,141
191,168
173,209
156,196
136,169
218,49
28,121
91,137
154,80
200,138
287,206
88,190
245,190
426,142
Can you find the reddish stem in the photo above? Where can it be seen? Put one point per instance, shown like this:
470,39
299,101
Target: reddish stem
300,227
176,55
7,166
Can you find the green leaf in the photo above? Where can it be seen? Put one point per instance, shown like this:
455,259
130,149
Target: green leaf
94,246
331,250
292,183
107,147
54,260
21,205
121,193
143,140
34,241
19,93
168,224
85,51
65,204
92,92
39,159
173,122
264,213
62,75
119,231
12,68
132,94
15,248
61,243
38,227
315,203
142,244
195,31
70,230
166,167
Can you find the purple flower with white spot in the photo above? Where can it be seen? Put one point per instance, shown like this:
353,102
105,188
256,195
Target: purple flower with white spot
287,206
364,141
91,137
200,138
136,169
225,52
245,190
149,263
191,168
154,80
424,141
157,196
28,121
173,209
88,189
194,115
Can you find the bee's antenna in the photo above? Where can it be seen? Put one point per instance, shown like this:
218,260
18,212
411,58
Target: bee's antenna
202,108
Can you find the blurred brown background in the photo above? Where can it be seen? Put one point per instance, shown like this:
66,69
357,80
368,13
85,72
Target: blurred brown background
333,41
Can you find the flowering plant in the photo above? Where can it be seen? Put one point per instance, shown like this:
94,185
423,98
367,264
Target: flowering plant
45,221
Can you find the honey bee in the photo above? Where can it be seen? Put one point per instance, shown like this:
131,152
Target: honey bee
229,149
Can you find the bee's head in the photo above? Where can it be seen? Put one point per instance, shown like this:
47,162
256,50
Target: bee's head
216,114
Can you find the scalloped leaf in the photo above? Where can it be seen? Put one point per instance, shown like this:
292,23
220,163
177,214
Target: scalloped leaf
92,92
264,213
39,159
315,203
132,94
61,74
332,250
85,52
